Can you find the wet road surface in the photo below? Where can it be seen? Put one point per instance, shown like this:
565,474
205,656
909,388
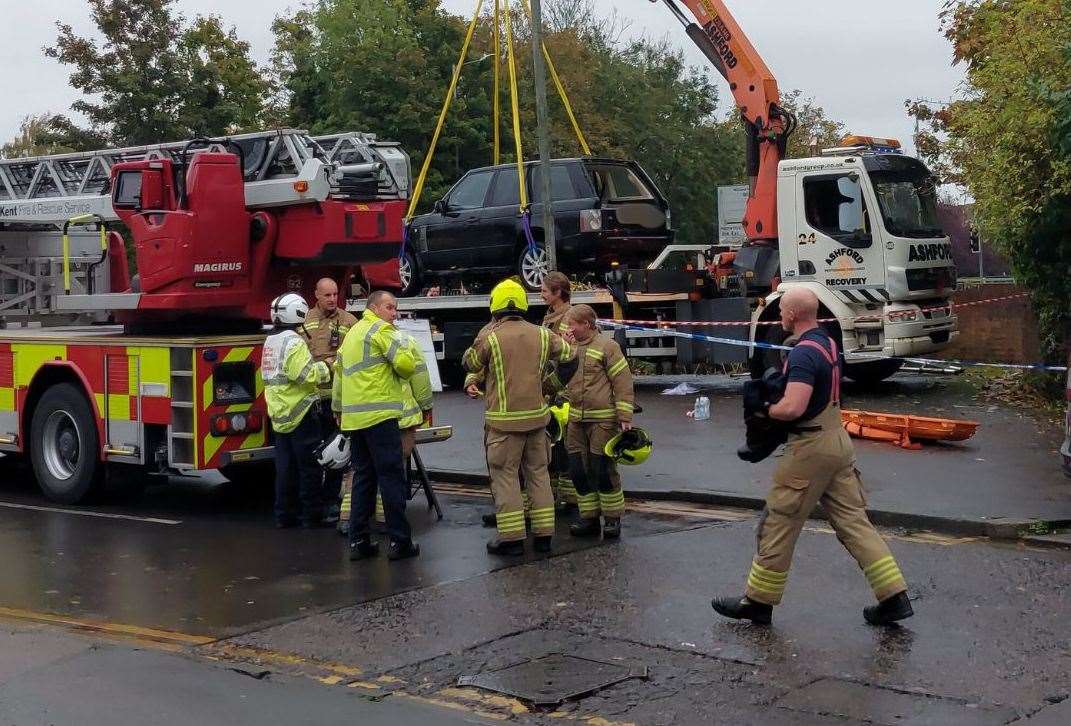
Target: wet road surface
1009,469
989,642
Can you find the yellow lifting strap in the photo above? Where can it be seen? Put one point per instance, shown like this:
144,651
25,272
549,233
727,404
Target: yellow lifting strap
496,156
561,90
515,105
418,189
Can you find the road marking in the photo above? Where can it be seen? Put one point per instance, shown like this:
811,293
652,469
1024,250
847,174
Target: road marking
114,629
244,653
87,513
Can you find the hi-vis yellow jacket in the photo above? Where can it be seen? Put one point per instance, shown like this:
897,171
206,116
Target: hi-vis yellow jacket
418,394
291,379
370,369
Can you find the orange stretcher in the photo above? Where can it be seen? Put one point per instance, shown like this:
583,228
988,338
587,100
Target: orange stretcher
903,431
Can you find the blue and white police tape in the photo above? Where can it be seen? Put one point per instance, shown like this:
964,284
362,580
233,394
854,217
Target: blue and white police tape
860,358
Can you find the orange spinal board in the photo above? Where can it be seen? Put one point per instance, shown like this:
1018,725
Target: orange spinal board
900,430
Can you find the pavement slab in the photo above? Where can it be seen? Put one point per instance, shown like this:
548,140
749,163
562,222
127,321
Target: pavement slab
1009,470
100,684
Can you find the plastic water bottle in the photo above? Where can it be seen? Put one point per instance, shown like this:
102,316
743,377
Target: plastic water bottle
702,408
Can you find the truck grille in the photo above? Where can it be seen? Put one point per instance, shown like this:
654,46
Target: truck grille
931,278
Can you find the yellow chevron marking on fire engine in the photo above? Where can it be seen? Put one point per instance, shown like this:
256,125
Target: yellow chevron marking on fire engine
97,626
237,355
30,358
7,399
155,366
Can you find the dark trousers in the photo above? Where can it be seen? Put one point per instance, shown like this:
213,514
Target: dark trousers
377,458
297,473
332,486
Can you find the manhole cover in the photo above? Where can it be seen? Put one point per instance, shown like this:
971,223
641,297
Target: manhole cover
554,678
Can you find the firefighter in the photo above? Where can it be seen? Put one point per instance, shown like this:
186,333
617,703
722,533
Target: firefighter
417,413
291,388
513,355
369,396
818,466
556,292
324,329
601,403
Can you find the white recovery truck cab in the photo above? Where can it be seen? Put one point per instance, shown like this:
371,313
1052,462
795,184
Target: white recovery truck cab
858,226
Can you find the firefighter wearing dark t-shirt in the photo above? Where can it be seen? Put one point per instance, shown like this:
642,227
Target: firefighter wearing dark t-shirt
818,466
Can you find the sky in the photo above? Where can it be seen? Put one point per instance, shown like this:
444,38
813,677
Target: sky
860,59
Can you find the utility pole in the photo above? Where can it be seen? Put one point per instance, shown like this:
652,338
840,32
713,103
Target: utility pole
543,133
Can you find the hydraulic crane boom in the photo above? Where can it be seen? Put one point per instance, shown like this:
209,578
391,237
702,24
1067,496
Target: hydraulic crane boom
755,91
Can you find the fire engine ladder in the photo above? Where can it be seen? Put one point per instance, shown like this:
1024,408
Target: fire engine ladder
39,195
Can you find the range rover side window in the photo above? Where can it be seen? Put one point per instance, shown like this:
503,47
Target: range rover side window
561,185
505,192
470,192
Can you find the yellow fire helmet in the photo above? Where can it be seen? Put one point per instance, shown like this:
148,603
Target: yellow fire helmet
507,295
629,447
559,417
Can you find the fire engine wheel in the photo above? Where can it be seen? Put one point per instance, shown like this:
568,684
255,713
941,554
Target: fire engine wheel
533,266
409,274
65,447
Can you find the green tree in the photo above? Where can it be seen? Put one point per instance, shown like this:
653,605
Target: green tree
156,77
815,131
1007,138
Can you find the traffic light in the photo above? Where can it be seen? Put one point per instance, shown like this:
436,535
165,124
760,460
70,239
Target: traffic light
976,241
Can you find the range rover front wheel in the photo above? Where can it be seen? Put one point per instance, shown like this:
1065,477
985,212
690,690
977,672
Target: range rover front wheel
533,266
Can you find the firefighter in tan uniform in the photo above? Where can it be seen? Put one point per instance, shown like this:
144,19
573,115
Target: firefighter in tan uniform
513,355
601,403
556,292
324,329
818,466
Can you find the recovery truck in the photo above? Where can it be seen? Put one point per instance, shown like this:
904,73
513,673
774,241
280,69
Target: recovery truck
158,371
857,225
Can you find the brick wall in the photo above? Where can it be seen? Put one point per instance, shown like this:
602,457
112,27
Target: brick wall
1001,332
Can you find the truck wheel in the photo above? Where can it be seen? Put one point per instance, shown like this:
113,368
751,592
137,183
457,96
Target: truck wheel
65,446
257,474
532,266
872,372
409,273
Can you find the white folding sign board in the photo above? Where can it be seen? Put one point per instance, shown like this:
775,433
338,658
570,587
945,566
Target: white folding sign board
421,331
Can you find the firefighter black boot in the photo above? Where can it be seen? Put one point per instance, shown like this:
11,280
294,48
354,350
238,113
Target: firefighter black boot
889,610
743,609
542,544
586,528
611,527
362,549
512,548
399,550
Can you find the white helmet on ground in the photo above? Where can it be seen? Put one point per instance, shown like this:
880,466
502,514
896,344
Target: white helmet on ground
289,309
335,453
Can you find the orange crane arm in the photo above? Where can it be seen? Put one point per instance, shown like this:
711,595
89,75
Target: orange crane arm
755,91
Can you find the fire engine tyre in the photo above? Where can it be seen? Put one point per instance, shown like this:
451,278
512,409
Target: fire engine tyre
65,445
868,374
533,266
409,273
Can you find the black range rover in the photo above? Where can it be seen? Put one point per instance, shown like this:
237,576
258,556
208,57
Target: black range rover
605,211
